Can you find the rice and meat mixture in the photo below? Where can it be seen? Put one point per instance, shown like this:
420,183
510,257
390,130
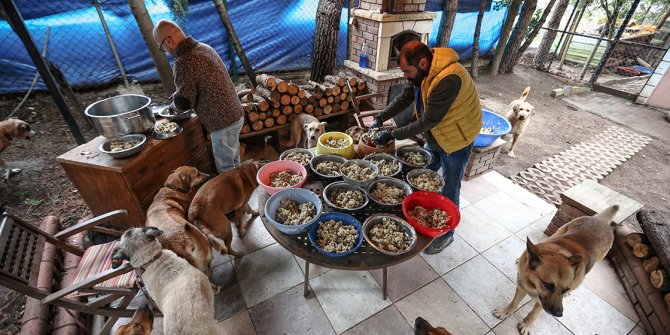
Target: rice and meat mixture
414,158
329,168
370,137
117,146
292,213
166,127
357,172
284,178
436,219
335,236
427,182
302,158
387,194
347,199
389,235
337,143
386,167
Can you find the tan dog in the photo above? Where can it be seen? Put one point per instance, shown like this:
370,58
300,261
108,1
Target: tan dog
250,153
518,113
168,213
550,269
422,327
355,132
181,292
142,323
229,191
12,129
305,131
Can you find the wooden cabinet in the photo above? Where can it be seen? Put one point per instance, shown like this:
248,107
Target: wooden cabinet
107,184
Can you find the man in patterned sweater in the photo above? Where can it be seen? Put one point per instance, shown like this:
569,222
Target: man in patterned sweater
203,84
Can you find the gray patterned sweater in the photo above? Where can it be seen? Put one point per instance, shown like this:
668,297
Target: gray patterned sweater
204,85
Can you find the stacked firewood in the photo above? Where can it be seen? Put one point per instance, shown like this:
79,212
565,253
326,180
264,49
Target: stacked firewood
276,102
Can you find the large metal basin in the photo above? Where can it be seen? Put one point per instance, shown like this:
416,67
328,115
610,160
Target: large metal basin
121,115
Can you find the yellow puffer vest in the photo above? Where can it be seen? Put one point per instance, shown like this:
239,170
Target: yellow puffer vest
463,121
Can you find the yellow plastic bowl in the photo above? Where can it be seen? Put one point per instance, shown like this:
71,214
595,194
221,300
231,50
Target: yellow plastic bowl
346,152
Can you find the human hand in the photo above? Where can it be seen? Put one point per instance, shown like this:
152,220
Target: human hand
377,122
383,137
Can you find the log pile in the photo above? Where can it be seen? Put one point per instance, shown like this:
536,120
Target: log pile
276,102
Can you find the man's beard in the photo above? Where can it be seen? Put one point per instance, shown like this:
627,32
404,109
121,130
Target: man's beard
420,75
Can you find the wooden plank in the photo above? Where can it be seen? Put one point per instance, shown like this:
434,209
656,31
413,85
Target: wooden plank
593,198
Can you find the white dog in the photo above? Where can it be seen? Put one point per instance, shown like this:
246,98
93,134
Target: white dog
305,130
182,292
518,113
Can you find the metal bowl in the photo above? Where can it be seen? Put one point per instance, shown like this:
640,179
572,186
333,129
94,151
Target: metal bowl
300,150
340,185
165,136
325,158
121,115
387,157
377,219
393,182
174,115
417,172
364,164
402,150
106,146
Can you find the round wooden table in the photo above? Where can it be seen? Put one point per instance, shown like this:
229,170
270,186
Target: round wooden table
363,259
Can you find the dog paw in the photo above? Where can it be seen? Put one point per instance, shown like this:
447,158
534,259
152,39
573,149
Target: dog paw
511,154
242,232
216,289
524,328
501,313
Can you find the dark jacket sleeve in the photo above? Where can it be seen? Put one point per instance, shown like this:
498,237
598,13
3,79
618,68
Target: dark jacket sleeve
399,103
439,102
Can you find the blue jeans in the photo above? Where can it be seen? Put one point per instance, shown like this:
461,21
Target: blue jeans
453,167
226,146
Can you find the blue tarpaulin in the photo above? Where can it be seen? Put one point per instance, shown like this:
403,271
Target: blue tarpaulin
276,36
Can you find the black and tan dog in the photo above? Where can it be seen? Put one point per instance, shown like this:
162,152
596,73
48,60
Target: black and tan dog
549,270
142,323
12,129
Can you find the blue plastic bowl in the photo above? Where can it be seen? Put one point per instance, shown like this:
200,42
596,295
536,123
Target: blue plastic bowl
347,219
299,195
500,127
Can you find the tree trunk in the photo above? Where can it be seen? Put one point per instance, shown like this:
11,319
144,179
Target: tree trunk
663,18
232,36
509,58
542,55
657,229
449,8
512,12
143,19
573,27
536,29
324,54
475,42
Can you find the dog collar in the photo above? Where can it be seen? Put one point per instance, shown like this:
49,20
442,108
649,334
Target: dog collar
144,266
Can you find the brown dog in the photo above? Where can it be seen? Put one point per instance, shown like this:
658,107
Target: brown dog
12,129
250,153
168,213
550,269
142,323
229,191
518,113
422,327
305,131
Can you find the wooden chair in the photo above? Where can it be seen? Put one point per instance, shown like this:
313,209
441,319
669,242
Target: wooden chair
21,246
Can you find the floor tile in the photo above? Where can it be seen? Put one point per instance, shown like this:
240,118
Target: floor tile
290,312
219,259
386,322
257,237
477,189
510,213
348,297
406,277
267,272
314,270
638,330
544,324
505,254
497,180
230,300
442,307
454,255
535,231
602,317
462,202
482,287
480,230
603,281
529,199
239,324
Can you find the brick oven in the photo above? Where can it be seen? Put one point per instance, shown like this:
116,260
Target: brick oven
379,29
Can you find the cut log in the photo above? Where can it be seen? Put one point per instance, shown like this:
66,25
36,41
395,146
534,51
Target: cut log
344,105
262,116
248,107
318,111
345,89
297,109
267,81
252,117
281,119
269,122
310,86
327,109
258,125
660,280
276,105
339,81
657,229
650,264
282,86
309,109
634,238
245,129
360,86
286,110
323,88
301,94
263,106
276,112
336,108
330,99
273,96
291,117
334,89
245,95
323,102
295,100
343,96
643,251
336,99
285,99
304,101
293,89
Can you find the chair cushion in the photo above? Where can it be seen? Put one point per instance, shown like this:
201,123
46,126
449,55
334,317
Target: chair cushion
98,258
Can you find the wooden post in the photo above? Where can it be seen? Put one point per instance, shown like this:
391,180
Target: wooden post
232,35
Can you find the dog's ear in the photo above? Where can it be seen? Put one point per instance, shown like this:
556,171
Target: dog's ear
575,261
532,110
533,256
176,181
305,127
515,108
118,257
322,125
152,233
24,126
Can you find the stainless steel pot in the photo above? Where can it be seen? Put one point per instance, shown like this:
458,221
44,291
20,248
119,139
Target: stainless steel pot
121,115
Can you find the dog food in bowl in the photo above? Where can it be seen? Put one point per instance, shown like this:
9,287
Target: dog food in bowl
347,199
336,143
425,180
166,127
298,157
329,168
335,236
387,194
389,235
435,219
284,178
486,130
292,213
121,145
414,158
371,135
358,172
386,167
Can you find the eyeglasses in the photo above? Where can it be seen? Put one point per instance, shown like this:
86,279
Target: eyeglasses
160,46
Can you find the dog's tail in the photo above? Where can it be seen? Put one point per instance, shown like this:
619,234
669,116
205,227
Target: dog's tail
608,214
266,139
524,95
214,241
201,246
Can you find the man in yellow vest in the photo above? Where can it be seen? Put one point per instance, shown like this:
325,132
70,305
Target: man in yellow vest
447,111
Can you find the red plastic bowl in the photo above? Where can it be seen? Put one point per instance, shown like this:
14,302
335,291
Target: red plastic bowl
430,201
263,175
